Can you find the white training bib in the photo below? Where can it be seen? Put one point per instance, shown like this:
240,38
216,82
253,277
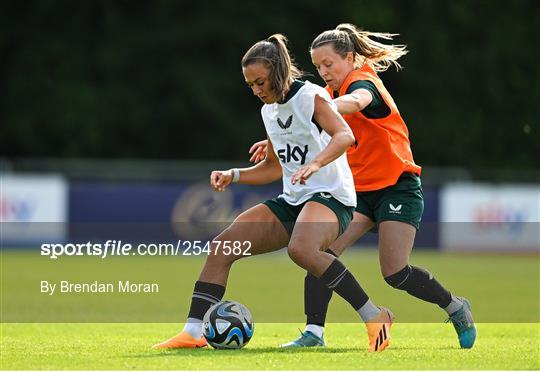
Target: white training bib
297,140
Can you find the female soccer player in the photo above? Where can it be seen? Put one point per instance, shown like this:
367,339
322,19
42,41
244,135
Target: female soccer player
388,188
307,140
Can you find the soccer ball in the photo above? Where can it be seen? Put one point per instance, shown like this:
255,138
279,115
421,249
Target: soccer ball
228,325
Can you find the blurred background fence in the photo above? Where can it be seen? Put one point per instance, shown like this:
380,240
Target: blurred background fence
172,200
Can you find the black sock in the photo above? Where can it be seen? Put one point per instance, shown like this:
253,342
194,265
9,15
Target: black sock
204,296
341,281
420,284
316,298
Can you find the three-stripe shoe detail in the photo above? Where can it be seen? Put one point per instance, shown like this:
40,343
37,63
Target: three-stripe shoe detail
381,338
379,330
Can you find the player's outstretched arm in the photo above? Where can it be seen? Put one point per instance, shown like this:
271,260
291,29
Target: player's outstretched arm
337,128
353,102
266,171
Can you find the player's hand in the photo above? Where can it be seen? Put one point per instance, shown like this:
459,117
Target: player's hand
302,174
219,180
258,151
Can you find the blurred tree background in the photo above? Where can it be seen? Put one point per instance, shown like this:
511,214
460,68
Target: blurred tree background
162,79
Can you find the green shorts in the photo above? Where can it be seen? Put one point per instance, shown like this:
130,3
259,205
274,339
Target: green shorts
288,213
403,202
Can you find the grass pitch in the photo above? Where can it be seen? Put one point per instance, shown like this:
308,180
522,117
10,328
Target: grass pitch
127,346
116,331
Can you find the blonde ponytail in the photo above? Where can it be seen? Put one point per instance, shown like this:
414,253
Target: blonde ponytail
347,38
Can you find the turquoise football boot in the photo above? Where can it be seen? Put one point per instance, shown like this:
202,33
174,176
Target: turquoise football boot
464,325
306,339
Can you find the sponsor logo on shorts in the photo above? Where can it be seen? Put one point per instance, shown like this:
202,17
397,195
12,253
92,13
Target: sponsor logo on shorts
326,196
395,209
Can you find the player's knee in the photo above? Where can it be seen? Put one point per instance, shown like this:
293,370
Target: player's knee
297,253
399,279
219,258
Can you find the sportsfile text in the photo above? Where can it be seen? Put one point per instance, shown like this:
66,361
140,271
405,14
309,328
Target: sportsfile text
119,248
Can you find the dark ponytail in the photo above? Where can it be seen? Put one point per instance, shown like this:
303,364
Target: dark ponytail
274,54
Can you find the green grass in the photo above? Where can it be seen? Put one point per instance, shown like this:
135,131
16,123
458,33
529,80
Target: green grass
115,331
127,346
